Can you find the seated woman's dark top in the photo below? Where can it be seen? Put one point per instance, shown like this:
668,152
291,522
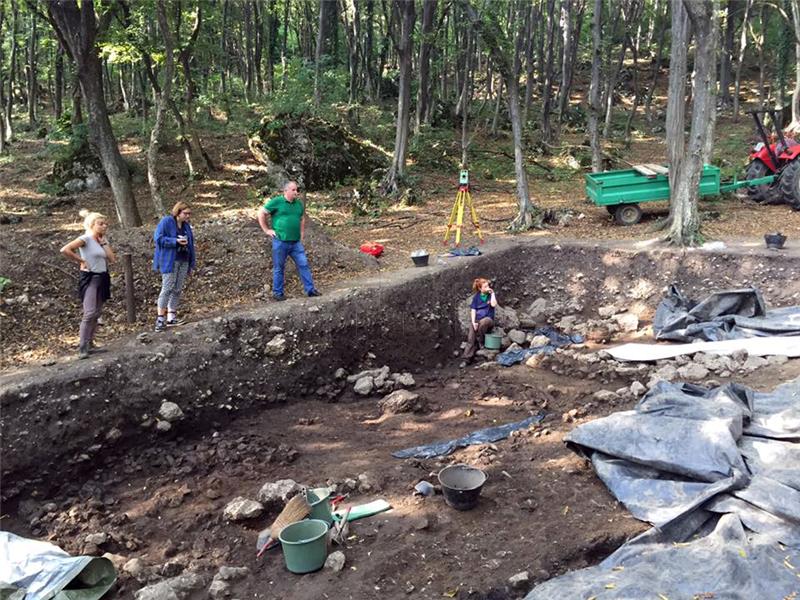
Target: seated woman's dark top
482,307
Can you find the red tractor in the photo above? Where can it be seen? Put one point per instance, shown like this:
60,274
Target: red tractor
780,157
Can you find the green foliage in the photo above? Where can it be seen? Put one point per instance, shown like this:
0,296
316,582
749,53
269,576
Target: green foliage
4,283
50,188
434,148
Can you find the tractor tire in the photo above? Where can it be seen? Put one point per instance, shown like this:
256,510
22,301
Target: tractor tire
758,193
628,214
789,183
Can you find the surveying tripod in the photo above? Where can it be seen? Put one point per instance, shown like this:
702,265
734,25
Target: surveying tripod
463,200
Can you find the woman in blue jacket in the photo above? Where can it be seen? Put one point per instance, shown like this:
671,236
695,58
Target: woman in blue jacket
174,258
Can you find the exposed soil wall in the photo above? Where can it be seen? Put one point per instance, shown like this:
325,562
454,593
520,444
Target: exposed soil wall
55,420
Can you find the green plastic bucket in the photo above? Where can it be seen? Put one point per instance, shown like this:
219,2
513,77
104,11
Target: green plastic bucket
319,501
305,545
492,341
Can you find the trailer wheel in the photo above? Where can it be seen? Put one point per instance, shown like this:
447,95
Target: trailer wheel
628,214
759,193
789,183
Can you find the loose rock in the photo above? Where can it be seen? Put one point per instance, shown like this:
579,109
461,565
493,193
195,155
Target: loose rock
517,336
273,495
627,322
175,588
692,372
402,401
364,386
404,379
276,346
637,388
241,509
520,580
170,411
335,561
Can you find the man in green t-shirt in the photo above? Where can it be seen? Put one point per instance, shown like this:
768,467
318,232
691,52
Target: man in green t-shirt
287,233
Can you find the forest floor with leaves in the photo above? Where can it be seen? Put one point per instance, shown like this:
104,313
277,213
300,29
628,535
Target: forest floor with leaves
40,312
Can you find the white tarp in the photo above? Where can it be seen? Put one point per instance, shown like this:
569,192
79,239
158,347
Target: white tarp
756,346
37,570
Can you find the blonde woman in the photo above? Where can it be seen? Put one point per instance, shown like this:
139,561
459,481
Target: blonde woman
94,283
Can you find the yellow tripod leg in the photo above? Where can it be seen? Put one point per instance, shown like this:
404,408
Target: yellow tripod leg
474,215
452,220
460,221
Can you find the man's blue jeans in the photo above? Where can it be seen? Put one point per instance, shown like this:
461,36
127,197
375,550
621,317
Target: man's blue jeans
280,252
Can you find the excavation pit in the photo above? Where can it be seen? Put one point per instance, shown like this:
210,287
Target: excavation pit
85,450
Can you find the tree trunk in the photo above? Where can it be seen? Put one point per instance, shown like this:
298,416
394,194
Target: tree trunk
351,18
796,91
423,91
2,84
405,47
369,74
763,18
284,42
740,59
327,26
530,81
634,44
686,164
547,89
77,28
58,96
9,106
466,94
594,88
566,57
612,82
656,66
32,73
161,107
493,38
190,93
727,53
223,45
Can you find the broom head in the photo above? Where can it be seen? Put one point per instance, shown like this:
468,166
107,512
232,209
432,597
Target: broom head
295,510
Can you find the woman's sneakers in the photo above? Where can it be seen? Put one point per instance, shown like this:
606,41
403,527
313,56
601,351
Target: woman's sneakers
163,322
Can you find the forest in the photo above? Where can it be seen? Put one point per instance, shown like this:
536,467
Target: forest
173,67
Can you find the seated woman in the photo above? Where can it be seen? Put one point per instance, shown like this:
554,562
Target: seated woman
481,315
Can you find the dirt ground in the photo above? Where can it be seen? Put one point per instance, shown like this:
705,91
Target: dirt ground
39,313
543,510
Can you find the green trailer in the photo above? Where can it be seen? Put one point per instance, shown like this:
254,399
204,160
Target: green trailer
621,192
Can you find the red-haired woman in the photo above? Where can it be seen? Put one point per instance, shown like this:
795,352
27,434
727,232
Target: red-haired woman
481,315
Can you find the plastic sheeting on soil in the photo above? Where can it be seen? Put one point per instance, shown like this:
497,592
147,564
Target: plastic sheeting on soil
37,570
482,436
724,315
717,472
758,346
557,340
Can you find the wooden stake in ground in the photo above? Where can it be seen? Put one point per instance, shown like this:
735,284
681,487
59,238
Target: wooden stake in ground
130,298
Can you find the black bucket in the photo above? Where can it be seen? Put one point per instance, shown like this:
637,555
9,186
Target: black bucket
420,258
775,241
461,486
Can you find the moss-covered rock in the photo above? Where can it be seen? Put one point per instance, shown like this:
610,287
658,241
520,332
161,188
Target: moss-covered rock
78,167
316,153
